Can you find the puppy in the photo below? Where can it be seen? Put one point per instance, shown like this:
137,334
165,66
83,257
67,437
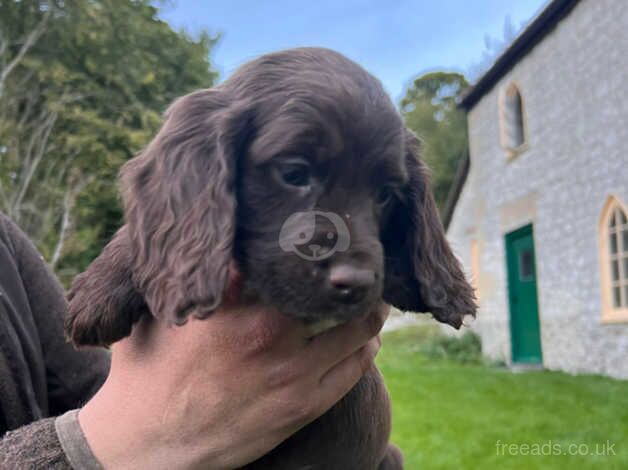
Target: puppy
299,169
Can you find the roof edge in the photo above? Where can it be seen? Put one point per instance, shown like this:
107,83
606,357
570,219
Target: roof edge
542,25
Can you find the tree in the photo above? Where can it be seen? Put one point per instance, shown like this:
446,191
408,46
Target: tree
84,96
430,109
494,47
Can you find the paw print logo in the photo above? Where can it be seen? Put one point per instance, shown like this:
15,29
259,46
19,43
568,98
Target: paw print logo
298,231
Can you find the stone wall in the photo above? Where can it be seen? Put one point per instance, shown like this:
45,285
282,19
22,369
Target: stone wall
574,85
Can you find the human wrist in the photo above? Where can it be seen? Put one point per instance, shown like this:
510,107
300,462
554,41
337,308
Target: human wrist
126,433
113,436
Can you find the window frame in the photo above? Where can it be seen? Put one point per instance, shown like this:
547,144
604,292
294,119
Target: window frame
505,124
610,313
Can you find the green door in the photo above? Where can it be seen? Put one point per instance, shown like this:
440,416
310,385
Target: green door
524,310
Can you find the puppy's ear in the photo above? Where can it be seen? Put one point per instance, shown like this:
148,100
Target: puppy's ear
173,254
180,204
103,302
422,273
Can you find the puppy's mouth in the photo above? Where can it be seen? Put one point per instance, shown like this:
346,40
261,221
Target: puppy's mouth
323,311
323,292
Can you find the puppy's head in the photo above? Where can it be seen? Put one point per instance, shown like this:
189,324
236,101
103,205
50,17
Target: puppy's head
299,168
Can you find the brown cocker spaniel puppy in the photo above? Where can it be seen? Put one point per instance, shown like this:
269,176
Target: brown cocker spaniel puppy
299,169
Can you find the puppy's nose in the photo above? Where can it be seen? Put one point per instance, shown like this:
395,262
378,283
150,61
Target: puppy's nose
349,283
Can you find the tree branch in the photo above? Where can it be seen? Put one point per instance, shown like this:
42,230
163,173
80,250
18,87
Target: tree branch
66,220
30,41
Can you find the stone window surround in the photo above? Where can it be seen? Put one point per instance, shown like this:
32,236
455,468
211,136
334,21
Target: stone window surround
609,314
511,152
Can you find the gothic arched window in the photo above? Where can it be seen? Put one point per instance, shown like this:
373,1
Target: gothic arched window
613,234
512,120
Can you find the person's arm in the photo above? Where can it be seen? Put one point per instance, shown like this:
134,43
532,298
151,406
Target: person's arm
221,392
196,396
72,376
60,378
212,394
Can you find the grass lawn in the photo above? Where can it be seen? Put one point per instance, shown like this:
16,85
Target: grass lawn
447,415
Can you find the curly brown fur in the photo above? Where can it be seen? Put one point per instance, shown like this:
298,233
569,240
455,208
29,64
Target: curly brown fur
289,133
104,302
423,275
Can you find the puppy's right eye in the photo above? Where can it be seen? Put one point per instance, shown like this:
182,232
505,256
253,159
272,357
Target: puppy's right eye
295,173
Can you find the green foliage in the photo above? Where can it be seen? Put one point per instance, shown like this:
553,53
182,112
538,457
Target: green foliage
449,415
427,340
466,349
429,109
89,93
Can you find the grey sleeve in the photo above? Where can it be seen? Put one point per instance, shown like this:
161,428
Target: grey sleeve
33,447
73,442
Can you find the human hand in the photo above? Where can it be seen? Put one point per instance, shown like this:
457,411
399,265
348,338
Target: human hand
221,392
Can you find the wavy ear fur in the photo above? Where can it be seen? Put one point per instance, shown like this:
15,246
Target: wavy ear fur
180,221
104,303
422,273
180,208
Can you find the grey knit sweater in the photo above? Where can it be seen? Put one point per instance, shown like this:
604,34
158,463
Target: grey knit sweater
35,446
41,375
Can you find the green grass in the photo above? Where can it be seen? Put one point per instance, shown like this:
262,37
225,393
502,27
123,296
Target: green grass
447,415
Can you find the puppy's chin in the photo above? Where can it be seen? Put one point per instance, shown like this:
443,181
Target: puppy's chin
313,311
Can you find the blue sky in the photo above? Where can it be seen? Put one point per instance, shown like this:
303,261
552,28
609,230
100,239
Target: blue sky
395,40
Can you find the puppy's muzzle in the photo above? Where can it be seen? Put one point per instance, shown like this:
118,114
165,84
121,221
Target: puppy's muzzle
349,284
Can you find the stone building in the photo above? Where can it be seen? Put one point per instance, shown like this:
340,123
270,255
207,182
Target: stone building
538,212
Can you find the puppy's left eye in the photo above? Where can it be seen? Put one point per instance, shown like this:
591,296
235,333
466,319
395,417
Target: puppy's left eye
293,172
384,195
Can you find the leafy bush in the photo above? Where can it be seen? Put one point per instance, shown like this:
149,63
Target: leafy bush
466,349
